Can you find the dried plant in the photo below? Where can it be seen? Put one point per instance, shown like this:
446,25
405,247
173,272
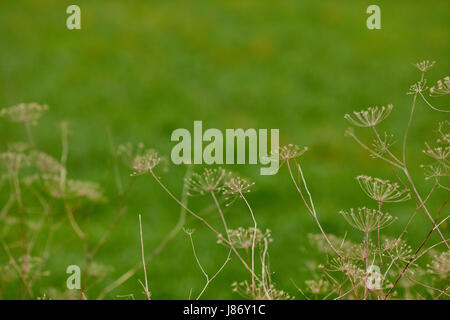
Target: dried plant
43,197
367,220
370,264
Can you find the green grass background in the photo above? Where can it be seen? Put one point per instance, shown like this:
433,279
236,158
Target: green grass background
144,68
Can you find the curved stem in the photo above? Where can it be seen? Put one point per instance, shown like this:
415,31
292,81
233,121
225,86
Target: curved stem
253,242
182,204
430,105
228,236
387,150
311,208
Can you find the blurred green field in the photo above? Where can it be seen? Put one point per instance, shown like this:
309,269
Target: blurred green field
144,68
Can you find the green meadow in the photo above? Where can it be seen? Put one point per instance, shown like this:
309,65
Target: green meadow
137,70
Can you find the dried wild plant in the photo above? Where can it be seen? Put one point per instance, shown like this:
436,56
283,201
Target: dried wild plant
375,264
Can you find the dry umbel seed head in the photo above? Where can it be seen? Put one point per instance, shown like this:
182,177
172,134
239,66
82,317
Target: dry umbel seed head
260,292
72,189
369,117
425,65
243,237
442,88
367,220
397,249
440,154
382,190
46,163
288,152
381,146
346,266
435,171
234,188
237,186
418,87
210,180
16,157
84,189
440,265
145,162
444,132
25,112
317,287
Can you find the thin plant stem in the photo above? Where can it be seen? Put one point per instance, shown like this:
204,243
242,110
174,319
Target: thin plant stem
147,293
208,279
430,105
310,207
379,232
387,149
414,257
423,206
253,241
29,133
230,244
182,204
263,270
